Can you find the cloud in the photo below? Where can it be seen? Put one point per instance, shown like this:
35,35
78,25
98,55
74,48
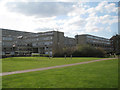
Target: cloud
103,7
79,9
71,18
40,9
111,8
92,23
108,19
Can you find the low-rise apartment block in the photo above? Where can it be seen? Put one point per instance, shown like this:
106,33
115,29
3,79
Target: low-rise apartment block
14,42
69,42
25,43
94,41
48,42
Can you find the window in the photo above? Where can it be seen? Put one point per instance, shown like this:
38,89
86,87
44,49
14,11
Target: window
48,43
48,33
34,44
7,38
47,38
3,43
46,52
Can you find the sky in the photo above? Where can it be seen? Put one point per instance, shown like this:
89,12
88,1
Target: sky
72,18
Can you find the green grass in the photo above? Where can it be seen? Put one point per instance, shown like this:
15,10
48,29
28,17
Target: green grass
102,74
22,63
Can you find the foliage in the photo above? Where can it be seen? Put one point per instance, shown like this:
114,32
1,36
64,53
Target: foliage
58,51
35,55
44,55
82,51
68,51
89,51
40,55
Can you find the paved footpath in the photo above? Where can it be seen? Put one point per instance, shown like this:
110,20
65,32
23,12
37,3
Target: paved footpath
52,67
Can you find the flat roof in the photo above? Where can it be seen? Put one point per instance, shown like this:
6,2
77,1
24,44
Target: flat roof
91,35
49,32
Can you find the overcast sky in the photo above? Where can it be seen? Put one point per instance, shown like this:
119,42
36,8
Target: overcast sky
96,18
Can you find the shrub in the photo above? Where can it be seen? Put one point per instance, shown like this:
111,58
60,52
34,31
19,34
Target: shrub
57,54
82,51
89,51
40,55
44,55
35,54
100,52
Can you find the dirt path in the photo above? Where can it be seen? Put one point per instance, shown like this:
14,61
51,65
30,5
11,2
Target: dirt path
52,67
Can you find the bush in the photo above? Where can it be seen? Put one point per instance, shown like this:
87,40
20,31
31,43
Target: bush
89,51
76,53
44,55
100,52
40,55
82,51
35,54
59,54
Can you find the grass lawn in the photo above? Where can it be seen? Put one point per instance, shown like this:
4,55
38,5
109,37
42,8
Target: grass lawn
22,63
102,74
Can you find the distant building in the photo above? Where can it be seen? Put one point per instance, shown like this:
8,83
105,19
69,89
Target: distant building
95,41
25,43
48,42
115,42
69,42
14,42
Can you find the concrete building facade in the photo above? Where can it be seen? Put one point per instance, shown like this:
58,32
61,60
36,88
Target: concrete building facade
14,42
115,43
94,41
25,43
48,42
69,42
